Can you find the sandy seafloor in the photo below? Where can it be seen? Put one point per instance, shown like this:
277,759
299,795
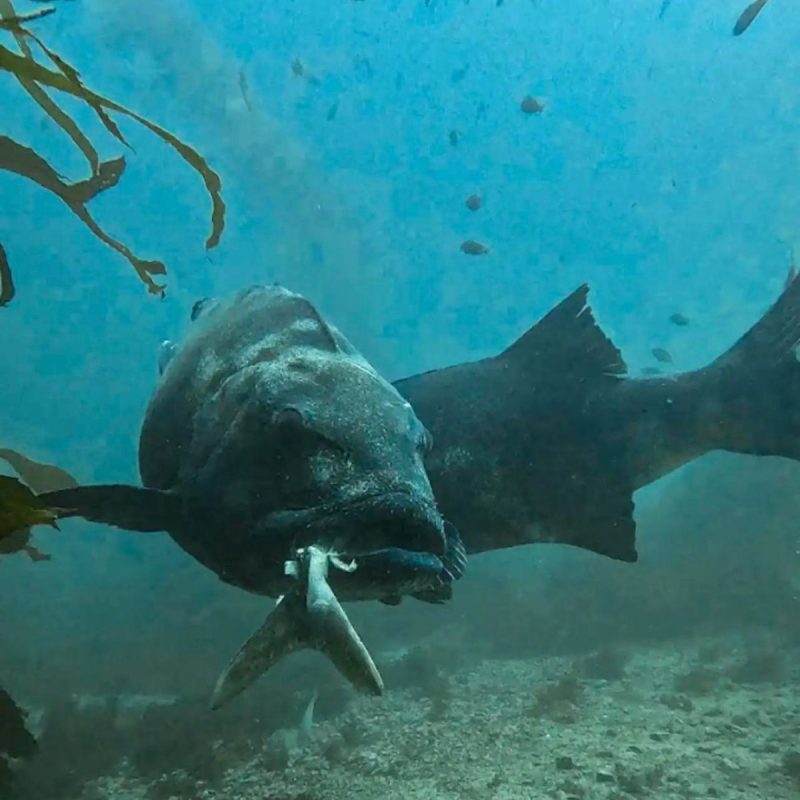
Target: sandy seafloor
503,732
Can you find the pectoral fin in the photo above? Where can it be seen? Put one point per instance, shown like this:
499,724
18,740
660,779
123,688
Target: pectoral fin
133,508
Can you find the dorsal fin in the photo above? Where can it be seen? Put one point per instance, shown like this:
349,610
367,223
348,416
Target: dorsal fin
570,338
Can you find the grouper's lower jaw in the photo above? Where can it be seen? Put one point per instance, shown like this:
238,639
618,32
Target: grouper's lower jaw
393,519
308,616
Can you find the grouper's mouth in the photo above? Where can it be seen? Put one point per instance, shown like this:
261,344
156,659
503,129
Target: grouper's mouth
309,615
372,522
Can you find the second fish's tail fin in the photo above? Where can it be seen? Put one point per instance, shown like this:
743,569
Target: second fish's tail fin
758,384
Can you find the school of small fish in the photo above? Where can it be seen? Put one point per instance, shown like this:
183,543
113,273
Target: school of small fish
529,105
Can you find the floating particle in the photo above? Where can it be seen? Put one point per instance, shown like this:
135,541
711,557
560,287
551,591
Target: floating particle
298,68
679,319
331,115
473,248
244,89
458,75
453,136
530,105
661,355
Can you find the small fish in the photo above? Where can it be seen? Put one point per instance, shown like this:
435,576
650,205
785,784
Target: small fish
243,88
473,202
363,67
651,371
299,70
679,319
458,75
453,137
331,115
530,105
664,8
473,248
661,355
747,16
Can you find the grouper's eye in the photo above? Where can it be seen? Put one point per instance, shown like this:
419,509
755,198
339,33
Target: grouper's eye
289,419
298,430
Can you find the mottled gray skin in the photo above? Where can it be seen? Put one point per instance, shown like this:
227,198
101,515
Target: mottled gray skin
548,441
268,432
276,434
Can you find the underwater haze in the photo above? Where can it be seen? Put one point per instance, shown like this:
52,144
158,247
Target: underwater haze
434,176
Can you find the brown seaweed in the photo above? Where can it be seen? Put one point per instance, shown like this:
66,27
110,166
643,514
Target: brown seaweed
36,79
20,508
40,477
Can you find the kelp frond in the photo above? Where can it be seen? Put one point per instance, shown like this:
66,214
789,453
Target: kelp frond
12,23
35,78
20,508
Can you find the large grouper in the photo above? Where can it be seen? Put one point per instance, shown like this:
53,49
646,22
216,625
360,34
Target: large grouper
549,440
273,453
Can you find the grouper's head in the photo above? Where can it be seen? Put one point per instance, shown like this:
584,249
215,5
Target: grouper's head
296,434
337,454
286,449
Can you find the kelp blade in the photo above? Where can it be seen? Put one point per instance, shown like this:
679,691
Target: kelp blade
26,162
20,508
37,475
11,62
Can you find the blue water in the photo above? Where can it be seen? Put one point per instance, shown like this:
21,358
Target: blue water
663,171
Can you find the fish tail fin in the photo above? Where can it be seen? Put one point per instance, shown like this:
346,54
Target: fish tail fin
758,384
302,619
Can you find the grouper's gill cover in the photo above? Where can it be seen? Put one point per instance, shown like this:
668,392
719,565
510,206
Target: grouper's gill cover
262,408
